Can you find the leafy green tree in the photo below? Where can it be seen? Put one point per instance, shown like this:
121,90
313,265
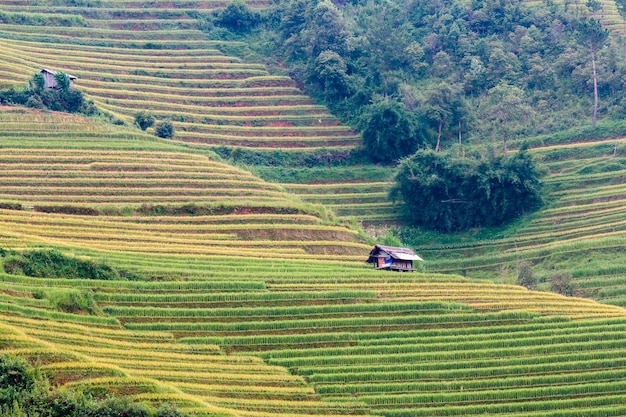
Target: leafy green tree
237,16
390,132
507,112
448,194
37,83
444,108
144,120
330,71
62,81
325,30
164,129
592,35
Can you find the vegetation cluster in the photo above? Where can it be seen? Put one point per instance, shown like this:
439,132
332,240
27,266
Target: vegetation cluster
54,264
449,194
25,391
62,98
478,70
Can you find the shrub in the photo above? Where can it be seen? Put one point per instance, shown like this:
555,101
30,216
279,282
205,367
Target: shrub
34,102
82,211
164,129
526,277
562,282
144,120
16,376
237,16
54,264
72,301
448,194
11,206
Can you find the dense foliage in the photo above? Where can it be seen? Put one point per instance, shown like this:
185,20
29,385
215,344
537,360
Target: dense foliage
164,129
390,132
54,264
63,98
144,120
25,392
479,70
446,193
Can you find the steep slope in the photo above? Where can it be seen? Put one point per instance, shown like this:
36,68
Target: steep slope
222,318
580,229
203,207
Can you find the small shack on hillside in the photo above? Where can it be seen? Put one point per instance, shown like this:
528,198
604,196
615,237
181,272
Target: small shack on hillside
48,76
392,258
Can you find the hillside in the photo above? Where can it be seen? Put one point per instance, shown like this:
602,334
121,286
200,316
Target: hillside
234,297
248,333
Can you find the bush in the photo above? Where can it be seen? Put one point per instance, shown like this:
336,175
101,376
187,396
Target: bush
16,376
164,129
144,120
34,102
238,17
526,277
562,282
54,264
82,211
72,301
444,193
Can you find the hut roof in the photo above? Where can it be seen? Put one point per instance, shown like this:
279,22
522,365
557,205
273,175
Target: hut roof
403,254
71,77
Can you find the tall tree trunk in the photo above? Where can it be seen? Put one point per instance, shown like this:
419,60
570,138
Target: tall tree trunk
439,136
595,88
602,18
624,35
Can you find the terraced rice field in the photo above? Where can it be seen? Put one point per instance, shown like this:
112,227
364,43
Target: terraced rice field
417,345
257,305
580,229
128,59
127,179
607,14
242,317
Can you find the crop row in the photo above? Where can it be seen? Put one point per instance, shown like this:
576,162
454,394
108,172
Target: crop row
406,321
294,312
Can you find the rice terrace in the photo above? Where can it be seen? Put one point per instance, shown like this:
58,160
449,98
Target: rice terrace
190,190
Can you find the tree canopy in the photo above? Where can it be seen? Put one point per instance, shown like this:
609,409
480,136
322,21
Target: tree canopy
445,193
465,55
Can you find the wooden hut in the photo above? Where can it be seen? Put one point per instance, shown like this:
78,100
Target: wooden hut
48,75
392,258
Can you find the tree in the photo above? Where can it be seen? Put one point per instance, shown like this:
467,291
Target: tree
506,111
325,30
444,107
238,17
592,35
525,276
390,132
144,119
62,81
331,72
562,282
164,129
37,83
448,194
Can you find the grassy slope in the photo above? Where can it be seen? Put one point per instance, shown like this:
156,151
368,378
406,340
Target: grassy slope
217,335
370,342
